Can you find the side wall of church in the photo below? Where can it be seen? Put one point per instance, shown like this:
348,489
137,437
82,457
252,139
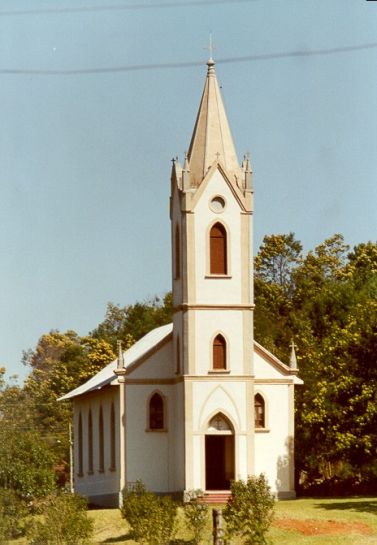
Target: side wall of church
274,443
154,456
99,484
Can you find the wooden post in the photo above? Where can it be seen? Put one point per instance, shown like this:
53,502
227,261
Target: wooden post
218,529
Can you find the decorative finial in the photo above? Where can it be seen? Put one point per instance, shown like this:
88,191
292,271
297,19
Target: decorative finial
120,363
293,359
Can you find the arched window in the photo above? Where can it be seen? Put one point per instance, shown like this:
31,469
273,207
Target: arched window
112,439
80,448
219,353
259,411
218,249
156,412
177,253
101,443
90,442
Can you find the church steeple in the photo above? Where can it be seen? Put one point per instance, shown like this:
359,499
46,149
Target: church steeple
212,139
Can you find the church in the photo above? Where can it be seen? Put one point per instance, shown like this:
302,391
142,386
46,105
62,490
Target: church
196,403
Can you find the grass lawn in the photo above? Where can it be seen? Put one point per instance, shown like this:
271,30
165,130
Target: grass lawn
346,521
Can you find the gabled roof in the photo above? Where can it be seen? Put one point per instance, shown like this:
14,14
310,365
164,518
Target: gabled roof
142,348
212,139
137,351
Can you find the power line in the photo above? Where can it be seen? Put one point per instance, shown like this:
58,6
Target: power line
121,7
165,66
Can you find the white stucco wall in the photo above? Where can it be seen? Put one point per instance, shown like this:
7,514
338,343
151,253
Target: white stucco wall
210,290
98,485
273,445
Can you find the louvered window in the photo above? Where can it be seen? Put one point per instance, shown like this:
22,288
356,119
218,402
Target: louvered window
219,353
218,250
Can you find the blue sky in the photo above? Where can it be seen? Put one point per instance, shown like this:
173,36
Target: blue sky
85,157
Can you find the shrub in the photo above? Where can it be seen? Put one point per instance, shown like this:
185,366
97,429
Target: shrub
64,522
13,512
151,518
249,510
196,518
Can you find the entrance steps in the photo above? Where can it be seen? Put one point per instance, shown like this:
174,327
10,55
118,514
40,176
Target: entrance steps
216,497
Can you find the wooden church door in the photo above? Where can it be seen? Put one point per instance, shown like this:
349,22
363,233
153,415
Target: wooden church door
219,454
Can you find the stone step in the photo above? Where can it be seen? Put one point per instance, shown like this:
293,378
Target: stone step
217,497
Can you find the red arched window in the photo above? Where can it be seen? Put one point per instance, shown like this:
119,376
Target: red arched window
219,353
177,254
218,249
259,411
156,412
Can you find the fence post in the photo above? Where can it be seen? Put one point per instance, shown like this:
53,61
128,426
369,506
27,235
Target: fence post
218,529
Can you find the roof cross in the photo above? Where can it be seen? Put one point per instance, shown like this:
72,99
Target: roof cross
210,47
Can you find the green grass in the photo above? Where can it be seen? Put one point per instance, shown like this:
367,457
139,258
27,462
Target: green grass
110,528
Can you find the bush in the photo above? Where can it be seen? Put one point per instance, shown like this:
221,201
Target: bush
12,515
196,518
151,518
249,510
64,522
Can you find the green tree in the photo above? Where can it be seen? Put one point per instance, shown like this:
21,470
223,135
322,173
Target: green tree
131,322
59,363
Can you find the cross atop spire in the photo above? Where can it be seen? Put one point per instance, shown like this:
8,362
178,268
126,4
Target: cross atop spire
212,133
210,48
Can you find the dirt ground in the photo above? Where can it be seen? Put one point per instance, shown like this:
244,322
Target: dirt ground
323,527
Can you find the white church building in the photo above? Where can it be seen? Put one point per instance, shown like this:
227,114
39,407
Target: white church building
196,403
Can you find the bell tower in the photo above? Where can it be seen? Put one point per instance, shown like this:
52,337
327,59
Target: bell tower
210,208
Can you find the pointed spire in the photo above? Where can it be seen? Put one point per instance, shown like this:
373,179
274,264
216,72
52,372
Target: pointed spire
293,359
120,361
186,177
211,139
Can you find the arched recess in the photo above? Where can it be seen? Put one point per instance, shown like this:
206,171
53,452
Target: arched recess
219,453
101,442
259,411
177,253
112,438
90,442
156,412
218,249
80,449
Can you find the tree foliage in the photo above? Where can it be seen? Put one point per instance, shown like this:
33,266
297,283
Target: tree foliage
330,311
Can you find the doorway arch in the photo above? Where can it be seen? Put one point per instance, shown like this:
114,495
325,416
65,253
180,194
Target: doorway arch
219,453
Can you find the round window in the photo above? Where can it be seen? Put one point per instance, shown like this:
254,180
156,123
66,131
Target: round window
217,204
